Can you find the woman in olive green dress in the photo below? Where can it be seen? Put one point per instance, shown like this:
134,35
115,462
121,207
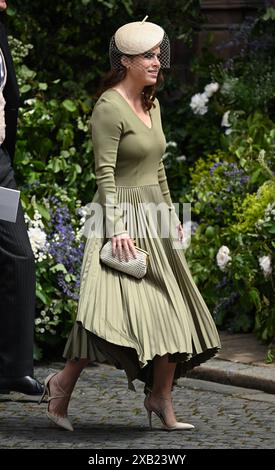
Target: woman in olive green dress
157,327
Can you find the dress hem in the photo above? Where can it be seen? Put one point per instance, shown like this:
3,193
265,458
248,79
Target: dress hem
97,349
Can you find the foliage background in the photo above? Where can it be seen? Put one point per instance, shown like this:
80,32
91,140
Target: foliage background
60,51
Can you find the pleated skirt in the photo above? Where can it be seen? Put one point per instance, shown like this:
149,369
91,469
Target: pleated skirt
127,321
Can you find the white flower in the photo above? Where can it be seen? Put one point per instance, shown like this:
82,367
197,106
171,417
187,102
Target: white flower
225,119
83,211
270,210
171,143
38,240
265,263
198,103
211,88
259,223
166,155
79,234
181,158
269,215
27,219
30,101
37,215
46,117
223,257
225,123
36,222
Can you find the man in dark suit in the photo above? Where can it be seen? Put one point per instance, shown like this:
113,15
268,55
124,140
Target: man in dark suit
17,268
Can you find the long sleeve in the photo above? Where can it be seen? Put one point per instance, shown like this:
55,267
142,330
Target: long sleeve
162,179
106,128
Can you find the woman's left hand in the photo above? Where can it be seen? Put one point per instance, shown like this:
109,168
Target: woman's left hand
180,233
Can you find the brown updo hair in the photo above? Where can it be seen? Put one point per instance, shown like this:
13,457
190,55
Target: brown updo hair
115,76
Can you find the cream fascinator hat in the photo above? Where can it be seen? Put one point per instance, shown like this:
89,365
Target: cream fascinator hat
137,38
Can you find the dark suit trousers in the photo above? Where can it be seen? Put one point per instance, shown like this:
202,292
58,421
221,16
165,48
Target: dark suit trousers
17,288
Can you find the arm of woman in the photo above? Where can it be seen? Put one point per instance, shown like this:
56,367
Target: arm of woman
106,129
162,179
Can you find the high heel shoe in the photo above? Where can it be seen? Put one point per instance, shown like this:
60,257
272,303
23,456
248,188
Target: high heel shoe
61,421
175,427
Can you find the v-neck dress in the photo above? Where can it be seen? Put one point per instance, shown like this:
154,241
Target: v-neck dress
123,320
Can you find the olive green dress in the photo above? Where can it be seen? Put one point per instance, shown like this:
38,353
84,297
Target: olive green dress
123,320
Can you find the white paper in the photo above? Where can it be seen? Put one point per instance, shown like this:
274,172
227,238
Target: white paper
9,199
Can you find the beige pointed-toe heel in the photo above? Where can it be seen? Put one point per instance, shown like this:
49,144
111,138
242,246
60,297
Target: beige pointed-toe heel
175,427
61,421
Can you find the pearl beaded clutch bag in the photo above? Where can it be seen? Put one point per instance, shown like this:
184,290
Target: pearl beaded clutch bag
136,267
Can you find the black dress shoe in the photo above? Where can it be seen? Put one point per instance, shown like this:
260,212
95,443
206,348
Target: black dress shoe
27,385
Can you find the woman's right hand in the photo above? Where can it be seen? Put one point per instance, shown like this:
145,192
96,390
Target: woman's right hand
123,246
